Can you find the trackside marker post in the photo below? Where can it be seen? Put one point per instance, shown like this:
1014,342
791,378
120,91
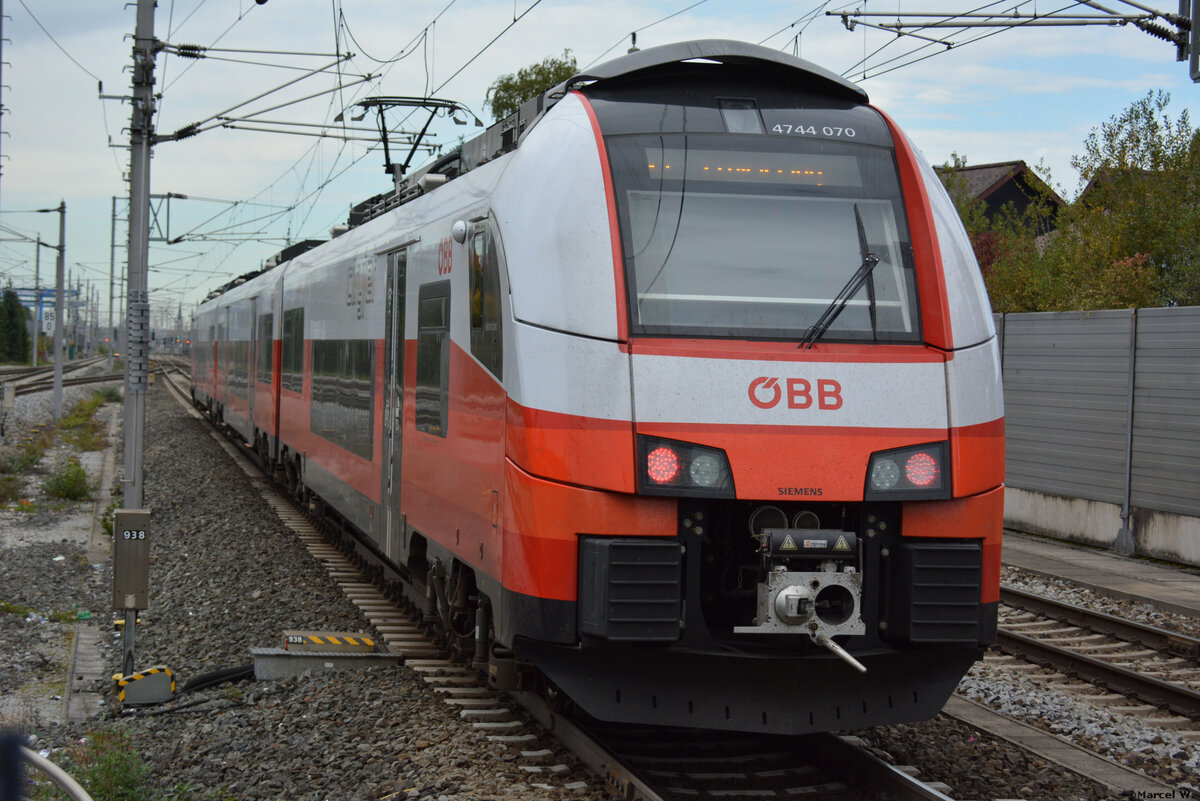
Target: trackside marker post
131,590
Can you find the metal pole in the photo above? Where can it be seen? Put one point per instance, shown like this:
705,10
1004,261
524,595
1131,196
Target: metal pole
137,296
59,269
112,272
37,298
60,777
2,81
137,301
1125,544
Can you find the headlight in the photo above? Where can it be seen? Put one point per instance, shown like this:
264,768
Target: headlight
913,473
670,467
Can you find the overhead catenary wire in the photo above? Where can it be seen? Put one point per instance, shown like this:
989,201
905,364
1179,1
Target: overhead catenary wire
617,44
842,12
947,44
811,17
312,151
50,36
957,45
493,40
76,62
332,175
241,16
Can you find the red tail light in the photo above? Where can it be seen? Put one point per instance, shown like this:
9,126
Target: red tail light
914,473
921,469
662,465
672,467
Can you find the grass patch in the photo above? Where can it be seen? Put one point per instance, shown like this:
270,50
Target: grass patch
14,461
109,769
79,426
10,608
110,395
108,517
10,488
68,481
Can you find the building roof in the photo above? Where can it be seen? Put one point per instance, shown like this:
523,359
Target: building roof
985,179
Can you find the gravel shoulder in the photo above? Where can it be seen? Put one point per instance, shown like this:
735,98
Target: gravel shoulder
47,584
227,576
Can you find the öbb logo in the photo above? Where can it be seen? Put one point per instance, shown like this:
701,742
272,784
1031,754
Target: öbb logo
766,393
445,256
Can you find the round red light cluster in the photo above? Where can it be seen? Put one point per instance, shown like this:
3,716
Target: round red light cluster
921,469
662,465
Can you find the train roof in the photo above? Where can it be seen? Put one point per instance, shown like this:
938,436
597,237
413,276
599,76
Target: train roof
722,51
504,135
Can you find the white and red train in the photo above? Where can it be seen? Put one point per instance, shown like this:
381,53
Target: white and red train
678,390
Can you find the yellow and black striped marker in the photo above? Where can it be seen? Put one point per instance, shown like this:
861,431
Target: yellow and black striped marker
154,685
328,641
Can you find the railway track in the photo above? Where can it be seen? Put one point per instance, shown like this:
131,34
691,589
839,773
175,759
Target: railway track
42,386
26,380
653,764
1157,667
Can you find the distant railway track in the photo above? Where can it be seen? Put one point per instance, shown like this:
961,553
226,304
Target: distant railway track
42,386
1158,667
26,380
653,764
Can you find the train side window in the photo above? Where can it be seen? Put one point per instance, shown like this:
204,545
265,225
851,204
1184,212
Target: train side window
486,340
433,357
265,349
292,358
343,397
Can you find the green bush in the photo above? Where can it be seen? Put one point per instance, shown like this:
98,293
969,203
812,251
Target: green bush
17,461
10,488
69,481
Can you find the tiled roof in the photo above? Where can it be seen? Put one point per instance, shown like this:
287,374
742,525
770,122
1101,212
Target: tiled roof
983,179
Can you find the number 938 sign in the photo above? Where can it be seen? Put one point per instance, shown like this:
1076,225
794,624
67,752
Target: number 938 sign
131,558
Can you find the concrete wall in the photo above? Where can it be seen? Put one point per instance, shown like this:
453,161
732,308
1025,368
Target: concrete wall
1163,535
1102,409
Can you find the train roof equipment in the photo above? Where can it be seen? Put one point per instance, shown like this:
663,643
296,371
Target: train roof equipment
504,136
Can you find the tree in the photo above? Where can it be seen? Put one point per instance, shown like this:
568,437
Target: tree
14,334
1128,240
1009,243
508,92
1141,201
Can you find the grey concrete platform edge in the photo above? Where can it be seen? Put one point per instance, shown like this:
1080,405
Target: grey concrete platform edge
279,663
1117,777
1164,587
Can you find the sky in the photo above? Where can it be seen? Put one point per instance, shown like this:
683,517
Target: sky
1031,94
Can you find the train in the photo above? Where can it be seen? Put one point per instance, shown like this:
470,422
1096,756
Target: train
675,395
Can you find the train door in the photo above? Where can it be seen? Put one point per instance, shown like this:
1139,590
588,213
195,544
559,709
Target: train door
393,405
222,381
488,405
249,356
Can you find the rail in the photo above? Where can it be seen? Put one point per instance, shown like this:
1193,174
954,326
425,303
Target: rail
1175,696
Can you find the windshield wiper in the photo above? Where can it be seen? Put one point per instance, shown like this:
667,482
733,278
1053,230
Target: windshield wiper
827,318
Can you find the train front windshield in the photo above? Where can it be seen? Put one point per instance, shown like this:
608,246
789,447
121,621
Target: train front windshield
754,235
